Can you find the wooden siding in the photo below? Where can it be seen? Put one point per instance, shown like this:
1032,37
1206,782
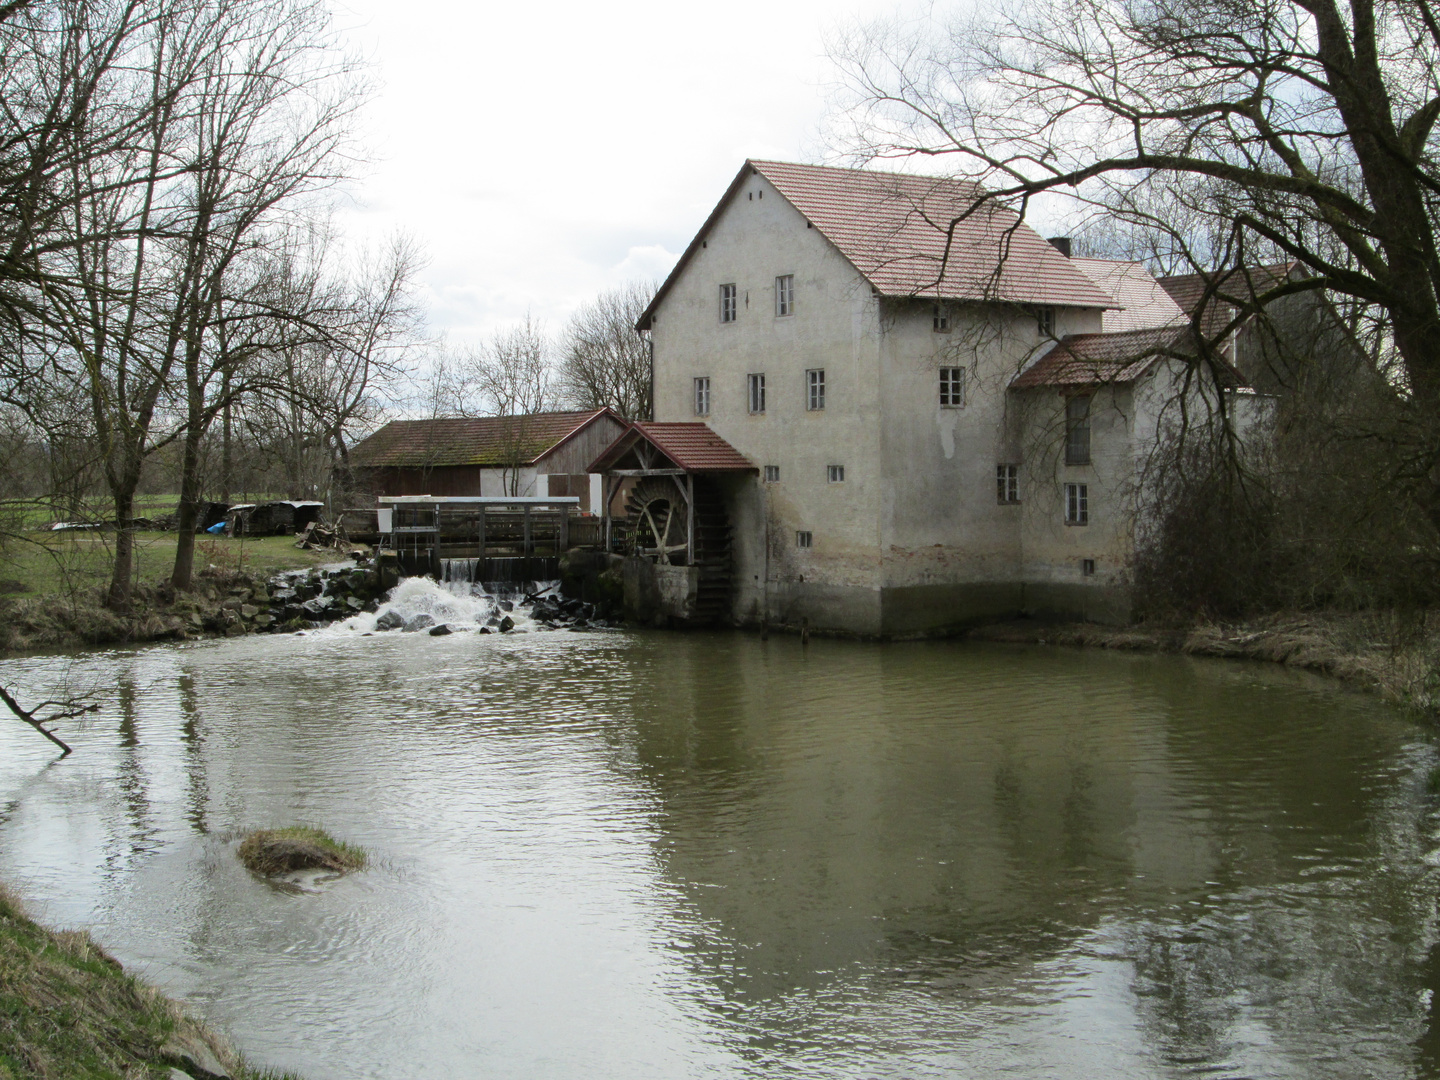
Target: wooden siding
575,455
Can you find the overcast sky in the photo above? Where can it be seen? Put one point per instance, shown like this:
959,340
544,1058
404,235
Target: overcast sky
540,152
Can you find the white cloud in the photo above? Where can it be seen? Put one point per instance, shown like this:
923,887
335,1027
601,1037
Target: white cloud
542,152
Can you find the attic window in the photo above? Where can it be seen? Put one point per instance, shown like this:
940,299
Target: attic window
1045,321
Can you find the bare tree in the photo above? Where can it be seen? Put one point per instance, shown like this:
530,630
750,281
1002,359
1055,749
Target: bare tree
1228,132
604,360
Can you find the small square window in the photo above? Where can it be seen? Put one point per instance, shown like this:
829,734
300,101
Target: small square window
1007,483
815,389
772,474
835,473
702,396
755,391
1087,567
952,387
942,319
785,295
803,539
727,303
1077,504
1045,321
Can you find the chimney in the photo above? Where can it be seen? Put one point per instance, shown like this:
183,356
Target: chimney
1061,244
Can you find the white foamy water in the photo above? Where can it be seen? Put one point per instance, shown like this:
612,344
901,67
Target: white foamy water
460,605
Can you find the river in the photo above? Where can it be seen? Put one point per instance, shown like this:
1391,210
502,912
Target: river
633,854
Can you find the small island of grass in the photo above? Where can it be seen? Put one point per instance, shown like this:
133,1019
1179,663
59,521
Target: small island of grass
280,851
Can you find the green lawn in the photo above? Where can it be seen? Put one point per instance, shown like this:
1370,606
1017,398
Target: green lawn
48,563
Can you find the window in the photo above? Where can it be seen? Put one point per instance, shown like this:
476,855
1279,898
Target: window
702,396
835,473
1007,483
942,319
952,387
1087,567
815,389
803,539
727,303
1077,504
1077,430
755,386
772,474
1045,321
785,295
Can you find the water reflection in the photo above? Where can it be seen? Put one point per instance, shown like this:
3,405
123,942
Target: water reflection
649,855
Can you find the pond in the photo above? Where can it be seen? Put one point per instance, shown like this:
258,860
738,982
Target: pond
635,854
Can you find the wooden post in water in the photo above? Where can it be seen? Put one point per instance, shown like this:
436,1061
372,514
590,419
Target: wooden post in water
526,564
480,563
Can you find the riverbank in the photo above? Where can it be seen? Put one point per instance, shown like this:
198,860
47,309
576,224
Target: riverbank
68,1010
1396,656
237,590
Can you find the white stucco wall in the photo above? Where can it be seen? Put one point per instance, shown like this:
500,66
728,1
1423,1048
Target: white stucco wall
835,326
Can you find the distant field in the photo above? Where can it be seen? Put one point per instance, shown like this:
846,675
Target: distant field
48,563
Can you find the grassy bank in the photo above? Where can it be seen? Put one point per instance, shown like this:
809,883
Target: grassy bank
68,1011
1395,656
52,586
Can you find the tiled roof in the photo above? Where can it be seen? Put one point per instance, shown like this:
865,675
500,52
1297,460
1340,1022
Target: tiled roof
1143,300
1237,286
483,441
894,228
690,445
1093,359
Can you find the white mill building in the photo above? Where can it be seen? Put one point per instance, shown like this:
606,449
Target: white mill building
944,428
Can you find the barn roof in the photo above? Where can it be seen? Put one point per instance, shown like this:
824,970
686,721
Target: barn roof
689,445
894,228
486,441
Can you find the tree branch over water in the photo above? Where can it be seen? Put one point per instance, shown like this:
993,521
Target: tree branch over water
64,709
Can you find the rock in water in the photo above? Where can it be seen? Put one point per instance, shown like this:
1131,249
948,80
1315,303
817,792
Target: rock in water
390,620
440,631
507,624
418,622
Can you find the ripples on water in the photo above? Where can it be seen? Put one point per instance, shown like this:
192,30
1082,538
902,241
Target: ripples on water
645,855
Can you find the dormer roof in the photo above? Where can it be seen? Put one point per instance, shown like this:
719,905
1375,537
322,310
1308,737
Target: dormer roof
916,236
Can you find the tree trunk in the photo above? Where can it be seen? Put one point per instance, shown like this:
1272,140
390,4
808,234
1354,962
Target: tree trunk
118,596
189,513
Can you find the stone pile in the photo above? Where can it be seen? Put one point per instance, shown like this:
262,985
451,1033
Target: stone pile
559,613
292,601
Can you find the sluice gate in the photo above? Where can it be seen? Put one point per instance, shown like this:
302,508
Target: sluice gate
502,539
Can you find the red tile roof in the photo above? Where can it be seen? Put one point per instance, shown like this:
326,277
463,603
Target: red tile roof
1143,301
1098,359
895,229
1091,359
487,441
1238,286
689,445
894,226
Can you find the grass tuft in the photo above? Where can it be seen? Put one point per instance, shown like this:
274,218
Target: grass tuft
68,1010
278,851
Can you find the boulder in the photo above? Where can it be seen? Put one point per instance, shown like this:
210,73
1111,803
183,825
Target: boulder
440,631
390,620
507,624
420,621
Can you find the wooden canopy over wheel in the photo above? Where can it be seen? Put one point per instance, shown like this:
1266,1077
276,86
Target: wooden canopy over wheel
676,508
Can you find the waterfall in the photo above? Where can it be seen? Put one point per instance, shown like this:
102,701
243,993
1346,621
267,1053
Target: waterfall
455,602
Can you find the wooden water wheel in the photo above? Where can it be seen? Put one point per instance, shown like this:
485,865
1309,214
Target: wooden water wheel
660,529
659,520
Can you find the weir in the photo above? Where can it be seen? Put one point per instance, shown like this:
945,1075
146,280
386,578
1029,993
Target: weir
501,540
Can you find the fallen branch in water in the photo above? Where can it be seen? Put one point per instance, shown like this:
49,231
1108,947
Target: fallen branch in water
65,710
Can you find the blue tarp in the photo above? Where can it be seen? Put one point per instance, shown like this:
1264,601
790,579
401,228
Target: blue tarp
217,528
